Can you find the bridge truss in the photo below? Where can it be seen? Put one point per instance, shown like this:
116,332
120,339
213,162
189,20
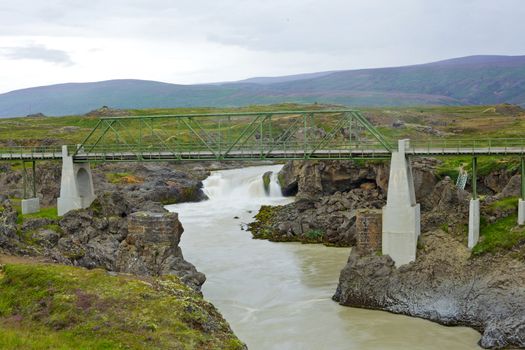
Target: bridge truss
333,134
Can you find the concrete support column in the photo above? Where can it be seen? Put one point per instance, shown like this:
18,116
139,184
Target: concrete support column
30,205
473,223
473,212
401,215
521,202
521,212
76,185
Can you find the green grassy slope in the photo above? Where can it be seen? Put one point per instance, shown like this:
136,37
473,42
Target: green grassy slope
60,307
452,122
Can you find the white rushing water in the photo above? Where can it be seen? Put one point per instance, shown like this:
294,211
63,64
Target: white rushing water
278,295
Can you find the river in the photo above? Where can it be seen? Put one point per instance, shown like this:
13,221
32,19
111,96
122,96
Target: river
278,295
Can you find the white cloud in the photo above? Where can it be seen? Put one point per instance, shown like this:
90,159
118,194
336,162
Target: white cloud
202,40
36,52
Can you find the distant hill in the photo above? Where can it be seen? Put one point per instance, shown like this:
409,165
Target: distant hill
470,80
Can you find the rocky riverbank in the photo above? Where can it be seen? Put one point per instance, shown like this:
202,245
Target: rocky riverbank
109,234
448,283
126,230
328,193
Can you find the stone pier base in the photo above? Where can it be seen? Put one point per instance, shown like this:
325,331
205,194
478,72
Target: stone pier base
368,230
521,212
473,223
152,248
30,205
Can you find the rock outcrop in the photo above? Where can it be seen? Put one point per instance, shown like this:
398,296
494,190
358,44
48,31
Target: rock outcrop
445,285
152,248
328,194
327,219
139,183
107,235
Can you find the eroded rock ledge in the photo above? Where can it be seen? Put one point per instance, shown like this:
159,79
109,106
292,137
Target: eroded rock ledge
446,285
110,235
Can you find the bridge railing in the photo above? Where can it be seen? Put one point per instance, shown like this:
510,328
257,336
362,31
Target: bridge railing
464,146
223,150
30,152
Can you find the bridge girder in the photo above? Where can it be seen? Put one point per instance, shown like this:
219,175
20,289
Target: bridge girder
327,134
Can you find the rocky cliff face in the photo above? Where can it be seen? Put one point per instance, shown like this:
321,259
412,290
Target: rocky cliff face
444,285
152,248
109,235
328,194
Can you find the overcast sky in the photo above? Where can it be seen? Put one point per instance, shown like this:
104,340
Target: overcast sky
197,41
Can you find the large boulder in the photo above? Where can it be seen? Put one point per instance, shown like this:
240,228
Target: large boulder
8,227
445,206
497,180
512,188
445,285
139,183
328,195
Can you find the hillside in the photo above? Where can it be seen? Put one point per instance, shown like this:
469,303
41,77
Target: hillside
474,80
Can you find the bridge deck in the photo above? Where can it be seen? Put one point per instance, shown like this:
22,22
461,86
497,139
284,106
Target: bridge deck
258,155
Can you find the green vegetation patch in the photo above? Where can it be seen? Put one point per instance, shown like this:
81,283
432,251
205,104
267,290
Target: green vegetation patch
46,213
509,203
61,307
314,236
262,227
486,165
500,235
124,178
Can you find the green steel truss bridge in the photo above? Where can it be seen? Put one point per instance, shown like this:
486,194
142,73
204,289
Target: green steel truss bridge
291,135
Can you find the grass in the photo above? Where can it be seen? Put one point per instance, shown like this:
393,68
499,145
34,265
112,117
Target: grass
509,203
56,130
454,122
61,307
486,164
500,235
46,213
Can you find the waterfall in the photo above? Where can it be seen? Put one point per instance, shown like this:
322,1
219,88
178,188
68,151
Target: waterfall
241,184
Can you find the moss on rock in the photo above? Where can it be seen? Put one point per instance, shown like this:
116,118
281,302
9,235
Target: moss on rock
62,307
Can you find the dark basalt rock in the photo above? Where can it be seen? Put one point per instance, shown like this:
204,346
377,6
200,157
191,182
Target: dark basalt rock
110,235
444,285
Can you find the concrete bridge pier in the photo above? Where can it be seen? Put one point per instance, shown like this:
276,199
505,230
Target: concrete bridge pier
76,185
30,205
401,215
521,202
473,213
473,223
521,211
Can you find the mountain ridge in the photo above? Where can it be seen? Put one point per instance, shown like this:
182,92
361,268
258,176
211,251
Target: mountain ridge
481,79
